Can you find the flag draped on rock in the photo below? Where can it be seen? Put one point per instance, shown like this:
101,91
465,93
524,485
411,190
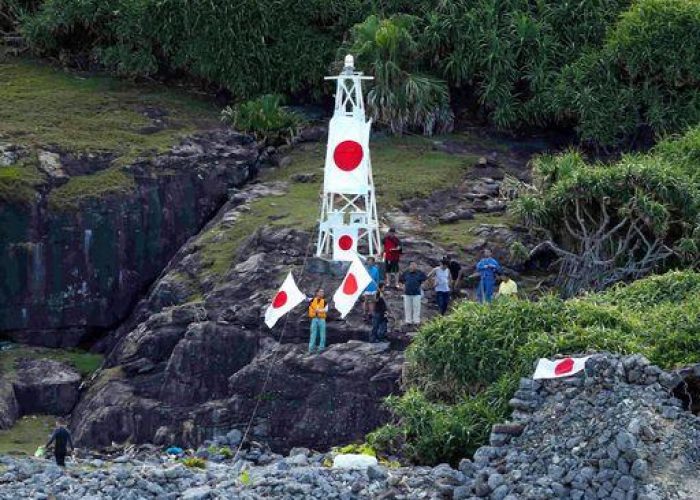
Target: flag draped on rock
559,367
354,283
286,299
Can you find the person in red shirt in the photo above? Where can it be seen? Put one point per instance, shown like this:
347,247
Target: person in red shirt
392,255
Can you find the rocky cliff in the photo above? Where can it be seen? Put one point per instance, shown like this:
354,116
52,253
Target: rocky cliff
184,371
75,263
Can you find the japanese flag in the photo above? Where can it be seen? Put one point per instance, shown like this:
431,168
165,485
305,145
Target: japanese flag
286,299
344,243
559,367
347,156
354,283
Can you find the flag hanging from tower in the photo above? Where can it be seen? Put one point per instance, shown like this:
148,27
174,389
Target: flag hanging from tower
347,156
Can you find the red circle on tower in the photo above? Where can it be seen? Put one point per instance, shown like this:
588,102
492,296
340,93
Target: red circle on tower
345,242
348,155
280,299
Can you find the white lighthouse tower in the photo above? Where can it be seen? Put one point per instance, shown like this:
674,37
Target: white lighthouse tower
348,221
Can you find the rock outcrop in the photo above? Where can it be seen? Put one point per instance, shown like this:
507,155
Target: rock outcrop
184,372
69,271
45,386
37,386
613,432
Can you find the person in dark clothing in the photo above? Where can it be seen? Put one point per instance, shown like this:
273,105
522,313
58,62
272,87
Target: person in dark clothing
379,321
62,439
413,282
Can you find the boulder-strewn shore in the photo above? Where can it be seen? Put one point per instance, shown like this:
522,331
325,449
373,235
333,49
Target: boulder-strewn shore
614,431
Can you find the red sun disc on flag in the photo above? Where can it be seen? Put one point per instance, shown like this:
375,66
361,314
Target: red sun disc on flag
350,285
280,299
345,242
564,366
348,155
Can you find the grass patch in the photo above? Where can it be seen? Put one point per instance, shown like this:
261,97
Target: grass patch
112,181
26,435
460,234
84,362
18,182
403,167
42,105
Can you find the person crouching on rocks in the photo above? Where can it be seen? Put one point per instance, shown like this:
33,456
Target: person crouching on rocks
62,438
379,321
318,308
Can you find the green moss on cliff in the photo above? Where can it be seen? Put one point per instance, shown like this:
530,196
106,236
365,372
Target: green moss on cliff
18,182
107,182
84,362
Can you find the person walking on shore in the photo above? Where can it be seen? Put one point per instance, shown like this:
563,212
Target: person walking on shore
63,440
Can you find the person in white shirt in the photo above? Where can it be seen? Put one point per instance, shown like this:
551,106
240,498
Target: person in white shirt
443,284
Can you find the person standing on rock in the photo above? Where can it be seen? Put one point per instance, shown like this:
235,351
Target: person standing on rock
62,439
487,268
369,296
443,282
379,320
413,281
318,308
392,255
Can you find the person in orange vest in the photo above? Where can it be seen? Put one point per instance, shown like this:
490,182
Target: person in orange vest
318,308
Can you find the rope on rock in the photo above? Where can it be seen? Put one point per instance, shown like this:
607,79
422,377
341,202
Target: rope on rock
276,351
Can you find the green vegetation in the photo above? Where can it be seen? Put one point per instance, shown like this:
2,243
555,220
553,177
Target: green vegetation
612,68
264,117
44,106
26,435
401,98
18,182
86,363
462,233
463,368
114,180
194,463
621,221
357,449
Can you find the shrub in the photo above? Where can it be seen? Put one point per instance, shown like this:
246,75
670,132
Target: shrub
226,452
463,368
402,97
359,449
646,75
264,117
194,463
617,222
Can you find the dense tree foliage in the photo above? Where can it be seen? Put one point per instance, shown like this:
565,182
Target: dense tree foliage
612,68
617,222
463,368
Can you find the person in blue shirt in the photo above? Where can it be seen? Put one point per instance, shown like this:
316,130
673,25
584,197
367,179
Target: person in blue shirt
487,268
369,296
